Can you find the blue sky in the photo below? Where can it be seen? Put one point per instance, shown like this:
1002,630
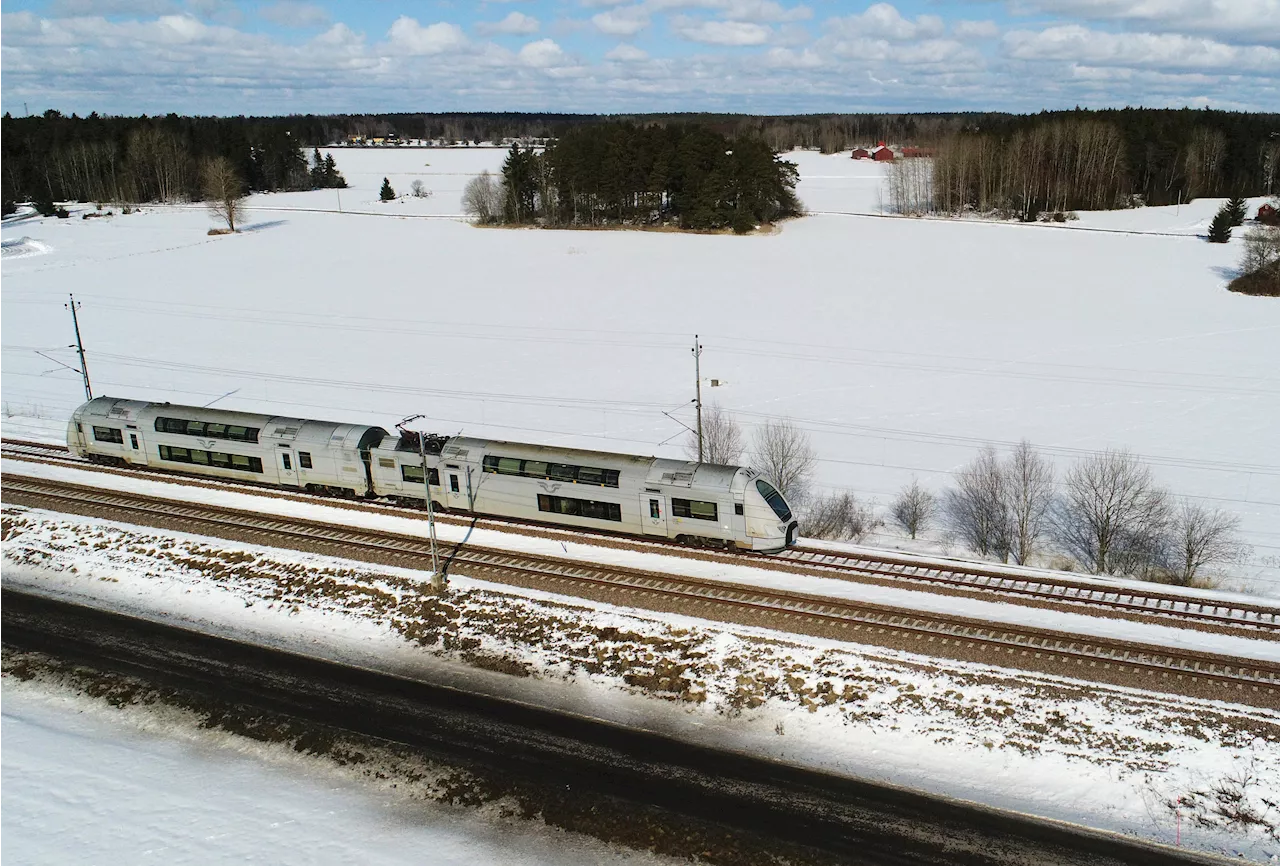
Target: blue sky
764,56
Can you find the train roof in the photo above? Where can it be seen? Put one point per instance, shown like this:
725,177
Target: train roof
271,427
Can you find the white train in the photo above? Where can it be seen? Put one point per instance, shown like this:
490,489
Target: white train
700,504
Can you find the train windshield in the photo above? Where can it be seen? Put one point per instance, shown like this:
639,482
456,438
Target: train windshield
774,498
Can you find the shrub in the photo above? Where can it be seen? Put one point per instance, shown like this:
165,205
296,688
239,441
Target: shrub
386,193
840,517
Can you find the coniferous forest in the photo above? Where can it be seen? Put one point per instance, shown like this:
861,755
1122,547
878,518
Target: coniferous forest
623,174
1070,159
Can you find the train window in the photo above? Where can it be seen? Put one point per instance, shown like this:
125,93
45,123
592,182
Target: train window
413,474
287,463
587,475
304,459
210,458
774,498
737,509
453,483
562,472
694,509
211,430
580,507
655,509
109,434
555,471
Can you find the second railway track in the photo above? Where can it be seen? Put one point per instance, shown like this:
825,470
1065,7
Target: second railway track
1124,662
1024,586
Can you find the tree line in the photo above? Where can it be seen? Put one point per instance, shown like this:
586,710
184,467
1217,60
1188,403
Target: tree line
1106,514
620,174
1062,164
134,160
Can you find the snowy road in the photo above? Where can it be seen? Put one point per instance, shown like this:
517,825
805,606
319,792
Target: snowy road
763,803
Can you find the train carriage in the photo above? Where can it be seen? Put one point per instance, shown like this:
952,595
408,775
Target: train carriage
700,504
241,446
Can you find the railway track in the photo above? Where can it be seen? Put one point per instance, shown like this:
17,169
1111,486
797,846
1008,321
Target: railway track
1148,603
1182,671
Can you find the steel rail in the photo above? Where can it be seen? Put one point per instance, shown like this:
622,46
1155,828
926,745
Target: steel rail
694,596
1063,591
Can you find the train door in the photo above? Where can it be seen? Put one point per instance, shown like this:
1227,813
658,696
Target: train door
653,514
455,487
288,466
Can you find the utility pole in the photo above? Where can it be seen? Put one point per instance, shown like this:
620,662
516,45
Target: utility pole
79,347
437,579
697,374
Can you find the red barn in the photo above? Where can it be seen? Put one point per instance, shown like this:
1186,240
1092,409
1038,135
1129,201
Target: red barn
916,152
1268,216
860,153
880,153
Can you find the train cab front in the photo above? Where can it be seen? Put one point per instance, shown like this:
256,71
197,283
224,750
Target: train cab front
771,525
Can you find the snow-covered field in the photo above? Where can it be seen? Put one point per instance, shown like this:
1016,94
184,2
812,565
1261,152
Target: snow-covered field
85,782
1105,756
901,345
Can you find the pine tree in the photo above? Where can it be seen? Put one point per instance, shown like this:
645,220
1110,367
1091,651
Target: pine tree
387,193
1236,207
1220,228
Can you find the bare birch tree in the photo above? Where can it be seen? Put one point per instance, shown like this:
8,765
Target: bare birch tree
721,438
914,508
223,190
1111,513
1028,491
781,450
482,198
1201,536
976,510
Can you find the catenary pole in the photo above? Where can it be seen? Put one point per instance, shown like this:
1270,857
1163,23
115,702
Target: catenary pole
697,375
84,368
437,579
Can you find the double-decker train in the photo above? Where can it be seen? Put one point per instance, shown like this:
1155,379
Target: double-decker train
700,504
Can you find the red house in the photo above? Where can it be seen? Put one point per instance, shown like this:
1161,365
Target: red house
860,153
916,152
1268,216
880,153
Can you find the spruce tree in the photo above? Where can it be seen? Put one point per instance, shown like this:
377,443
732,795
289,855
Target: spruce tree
1236,207
1220,228
332,177
387,193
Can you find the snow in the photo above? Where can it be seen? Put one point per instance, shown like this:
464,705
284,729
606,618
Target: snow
84,783
900,345
906,599
1104,756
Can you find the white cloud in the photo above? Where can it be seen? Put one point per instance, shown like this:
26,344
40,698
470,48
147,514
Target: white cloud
883,21
1246,21
410,37
720,32
135,8
739,10
339,35
975,30
515,24
294,13
1075,44
543,54
624,53
787,58
627,21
